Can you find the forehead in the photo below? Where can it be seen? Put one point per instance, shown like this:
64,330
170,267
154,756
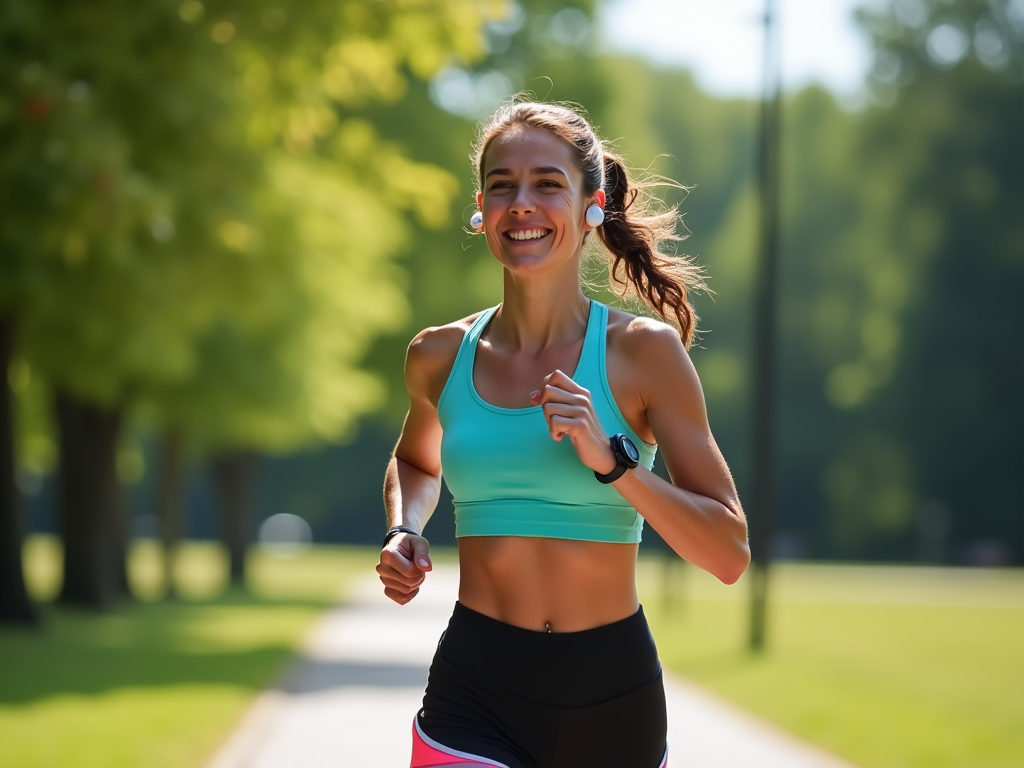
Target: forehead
524,148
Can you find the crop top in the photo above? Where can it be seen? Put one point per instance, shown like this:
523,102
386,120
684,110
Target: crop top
506,474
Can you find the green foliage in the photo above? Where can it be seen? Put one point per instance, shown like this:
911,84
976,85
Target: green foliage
109,158
33,438
950,77
208,231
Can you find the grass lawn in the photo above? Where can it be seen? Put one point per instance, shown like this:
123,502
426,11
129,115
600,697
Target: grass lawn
889,667
157,683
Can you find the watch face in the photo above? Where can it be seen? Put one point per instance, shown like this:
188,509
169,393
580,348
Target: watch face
629,449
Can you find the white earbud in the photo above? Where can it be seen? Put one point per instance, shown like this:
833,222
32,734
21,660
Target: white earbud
476,221
595,216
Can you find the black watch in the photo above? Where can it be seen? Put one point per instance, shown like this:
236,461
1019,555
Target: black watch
627,456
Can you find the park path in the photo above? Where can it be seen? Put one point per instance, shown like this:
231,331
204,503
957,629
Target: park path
348,699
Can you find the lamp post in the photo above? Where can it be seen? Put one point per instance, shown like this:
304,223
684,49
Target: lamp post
763,439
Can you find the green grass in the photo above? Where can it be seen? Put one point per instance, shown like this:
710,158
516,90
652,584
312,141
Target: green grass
156,683
889,667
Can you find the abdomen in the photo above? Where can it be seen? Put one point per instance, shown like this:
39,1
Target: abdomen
532,582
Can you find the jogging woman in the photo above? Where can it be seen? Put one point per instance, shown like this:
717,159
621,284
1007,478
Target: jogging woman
544,414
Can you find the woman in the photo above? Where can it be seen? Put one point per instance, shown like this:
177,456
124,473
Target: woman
545,413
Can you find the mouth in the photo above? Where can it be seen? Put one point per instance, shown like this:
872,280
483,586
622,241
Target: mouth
531,235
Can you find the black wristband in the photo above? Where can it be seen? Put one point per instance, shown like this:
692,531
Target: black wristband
626,457
397,530
611,477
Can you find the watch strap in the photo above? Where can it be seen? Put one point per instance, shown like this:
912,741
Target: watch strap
620,463
615,474
397,530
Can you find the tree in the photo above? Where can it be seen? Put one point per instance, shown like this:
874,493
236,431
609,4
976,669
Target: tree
15,605
96,248
285,373
135,232
950,79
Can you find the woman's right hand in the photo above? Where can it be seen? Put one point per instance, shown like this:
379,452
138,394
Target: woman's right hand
403,565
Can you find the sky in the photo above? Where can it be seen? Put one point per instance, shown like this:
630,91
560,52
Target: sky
720,41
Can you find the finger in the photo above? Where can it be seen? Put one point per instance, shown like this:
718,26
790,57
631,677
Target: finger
400,597
393,557
569,410
560,426
416,549
398,576
421,553
551,380
552,393
562,380
414,576
570,417
401,585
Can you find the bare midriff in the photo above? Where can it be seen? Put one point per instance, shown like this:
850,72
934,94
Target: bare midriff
556,585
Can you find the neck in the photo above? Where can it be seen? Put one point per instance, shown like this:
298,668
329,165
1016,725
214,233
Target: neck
536,314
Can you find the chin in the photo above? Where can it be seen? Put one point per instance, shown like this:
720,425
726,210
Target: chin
521,263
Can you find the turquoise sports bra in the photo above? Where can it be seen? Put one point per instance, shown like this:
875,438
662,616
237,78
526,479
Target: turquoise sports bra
509,478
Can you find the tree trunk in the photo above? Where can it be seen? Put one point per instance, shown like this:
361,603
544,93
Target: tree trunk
121,537
15,605
232,476
91,525
168,503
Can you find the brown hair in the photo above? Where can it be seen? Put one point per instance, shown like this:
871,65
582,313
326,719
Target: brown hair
633,228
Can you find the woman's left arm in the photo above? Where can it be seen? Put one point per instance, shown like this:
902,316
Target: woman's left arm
698,514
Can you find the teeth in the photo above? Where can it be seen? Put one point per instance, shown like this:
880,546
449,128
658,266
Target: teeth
527,234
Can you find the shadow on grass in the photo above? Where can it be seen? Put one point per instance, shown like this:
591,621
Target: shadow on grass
243,598
169,643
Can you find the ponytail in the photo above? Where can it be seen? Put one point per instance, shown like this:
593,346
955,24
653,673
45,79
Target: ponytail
632,234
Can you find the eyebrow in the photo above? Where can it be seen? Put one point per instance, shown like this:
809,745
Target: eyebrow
535,171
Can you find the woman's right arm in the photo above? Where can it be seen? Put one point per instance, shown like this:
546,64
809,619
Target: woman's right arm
412,483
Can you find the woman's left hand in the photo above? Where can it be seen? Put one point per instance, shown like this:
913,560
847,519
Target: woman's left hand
568,410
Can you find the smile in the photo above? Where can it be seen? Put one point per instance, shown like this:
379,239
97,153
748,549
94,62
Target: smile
527,234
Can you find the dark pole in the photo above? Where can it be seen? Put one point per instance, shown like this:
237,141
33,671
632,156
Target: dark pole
763,488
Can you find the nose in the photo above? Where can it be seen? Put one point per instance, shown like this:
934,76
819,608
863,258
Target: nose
522,204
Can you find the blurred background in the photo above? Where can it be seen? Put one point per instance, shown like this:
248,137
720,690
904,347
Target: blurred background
221,223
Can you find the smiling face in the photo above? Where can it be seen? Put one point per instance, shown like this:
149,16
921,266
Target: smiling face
533,201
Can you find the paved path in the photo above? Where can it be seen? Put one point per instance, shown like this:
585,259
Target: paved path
349,699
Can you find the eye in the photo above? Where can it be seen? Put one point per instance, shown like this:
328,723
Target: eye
549,183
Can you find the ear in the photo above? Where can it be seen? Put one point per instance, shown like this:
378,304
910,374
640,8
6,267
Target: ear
480,200
599,200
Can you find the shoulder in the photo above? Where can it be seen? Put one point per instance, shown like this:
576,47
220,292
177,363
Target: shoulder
431,356
655,354
643,340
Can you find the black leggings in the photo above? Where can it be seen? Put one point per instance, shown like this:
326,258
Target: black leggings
590,699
